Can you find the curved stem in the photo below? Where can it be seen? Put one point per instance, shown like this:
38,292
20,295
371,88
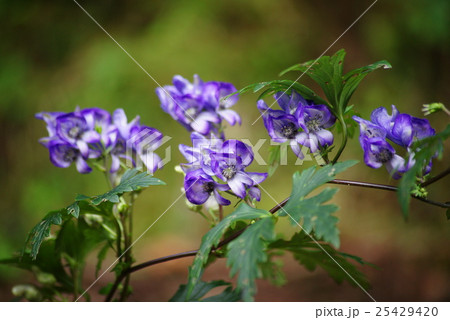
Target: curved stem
385,187
344,138
436,178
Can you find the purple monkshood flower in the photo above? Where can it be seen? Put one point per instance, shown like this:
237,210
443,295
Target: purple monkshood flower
300,122
199,106
400,128
198,156
93,134
63,154
314,120
378,152
224,163
200,187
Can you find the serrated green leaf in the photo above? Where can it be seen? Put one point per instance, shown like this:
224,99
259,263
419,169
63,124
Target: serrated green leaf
275,86
326,71
310,255
311,212
272,269
42,230
132,180
248,251
202,288
212,238
74,209
426,149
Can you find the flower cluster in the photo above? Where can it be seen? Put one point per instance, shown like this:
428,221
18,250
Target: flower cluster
401,129
93,134
199,106
300,122
216,165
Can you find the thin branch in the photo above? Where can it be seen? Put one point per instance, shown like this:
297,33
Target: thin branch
436,178
385,187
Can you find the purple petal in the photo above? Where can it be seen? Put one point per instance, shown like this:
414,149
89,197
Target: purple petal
402,130
381,117
254,193
84,148
240,149
230,116
82,165
257,177
325,137
221,200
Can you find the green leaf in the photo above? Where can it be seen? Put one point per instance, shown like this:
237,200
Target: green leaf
310,211
248,251
310,255
74,209
201,288
326,71
212,239
275,86
352,79
42,230
426,150
272,269
132,180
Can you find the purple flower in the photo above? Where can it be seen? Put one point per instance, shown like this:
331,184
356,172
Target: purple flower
93,134
200,187
229,165
290,103
300,122
281,127
212,160
314,120
199,106
198,156
402,129
378,152
62,154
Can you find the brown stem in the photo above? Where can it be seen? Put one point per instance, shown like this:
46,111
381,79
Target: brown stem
436,178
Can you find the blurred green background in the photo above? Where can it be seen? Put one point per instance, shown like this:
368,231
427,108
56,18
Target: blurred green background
53,58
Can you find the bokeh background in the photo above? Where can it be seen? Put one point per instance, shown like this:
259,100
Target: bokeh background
53,57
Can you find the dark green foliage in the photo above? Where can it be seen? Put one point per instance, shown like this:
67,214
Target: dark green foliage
327,71
275,86
95,225
132,180
212,238
308,253
247,252
201,288
427,149
100,205
42,230
310,212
